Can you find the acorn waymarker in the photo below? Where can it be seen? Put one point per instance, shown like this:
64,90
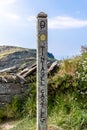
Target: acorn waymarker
42,48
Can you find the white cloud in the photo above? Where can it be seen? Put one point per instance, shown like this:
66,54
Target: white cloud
31,18
62,22
7,2
6,11
13,16
4,4
10,1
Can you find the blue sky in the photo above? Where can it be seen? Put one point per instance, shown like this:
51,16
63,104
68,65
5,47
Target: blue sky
67,24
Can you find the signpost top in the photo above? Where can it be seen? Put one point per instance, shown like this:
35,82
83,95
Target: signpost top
42,15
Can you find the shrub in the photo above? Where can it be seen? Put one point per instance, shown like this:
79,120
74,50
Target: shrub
82,80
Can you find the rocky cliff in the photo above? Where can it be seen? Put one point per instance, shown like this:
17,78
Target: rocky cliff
16,65
19,57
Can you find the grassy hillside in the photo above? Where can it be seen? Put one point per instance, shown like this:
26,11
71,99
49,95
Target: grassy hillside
67,99
19,57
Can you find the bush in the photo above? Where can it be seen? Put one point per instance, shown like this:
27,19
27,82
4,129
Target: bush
1,114
29,108
67,97
81,74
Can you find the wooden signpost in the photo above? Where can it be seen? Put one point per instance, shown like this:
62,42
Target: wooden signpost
42,47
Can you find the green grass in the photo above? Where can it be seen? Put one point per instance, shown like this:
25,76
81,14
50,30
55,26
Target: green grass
67,106
64,113
26,124
67,113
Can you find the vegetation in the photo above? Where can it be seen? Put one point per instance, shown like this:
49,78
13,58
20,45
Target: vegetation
67,98
8,51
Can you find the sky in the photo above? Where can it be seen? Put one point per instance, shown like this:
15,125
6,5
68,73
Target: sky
67,24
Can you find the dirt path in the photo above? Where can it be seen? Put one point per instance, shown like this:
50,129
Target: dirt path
8,124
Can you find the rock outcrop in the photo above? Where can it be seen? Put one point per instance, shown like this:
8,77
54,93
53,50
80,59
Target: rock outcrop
16,65
19,57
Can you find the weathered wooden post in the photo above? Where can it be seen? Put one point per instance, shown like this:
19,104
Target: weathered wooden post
42,71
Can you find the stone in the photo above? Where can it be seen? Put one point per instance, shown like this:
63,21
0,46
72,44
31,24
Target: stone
42,15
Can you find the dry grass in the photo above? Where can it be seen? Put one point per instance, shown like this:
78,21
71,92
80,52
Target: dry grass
7,52
54,128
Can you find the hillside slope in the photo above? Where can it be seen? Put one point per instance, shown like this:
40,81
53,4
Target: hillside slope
67,99
20,57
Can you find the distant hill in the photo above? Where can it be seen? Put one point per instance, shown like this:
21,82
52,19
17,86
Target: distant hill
11,56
